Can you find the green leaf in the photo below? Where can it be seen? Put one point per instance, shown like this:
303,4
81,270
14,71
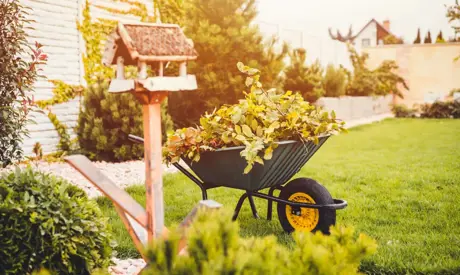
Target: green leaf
249,81
241,138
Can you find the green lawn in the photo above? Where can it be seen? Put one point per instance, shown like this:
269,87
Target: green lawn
401,179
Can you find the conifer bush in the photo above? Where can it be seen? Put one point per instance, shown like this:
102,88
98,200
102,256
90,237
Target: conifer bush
334,81
215,247
106,120
46,222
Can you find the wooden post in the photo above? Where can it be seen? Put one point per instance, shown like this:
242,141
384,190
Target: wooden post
142,70
183,69
120,68
153,169
160,69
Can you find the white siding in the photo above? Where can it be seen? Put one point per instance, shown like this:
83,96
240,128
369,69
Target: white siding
55,26
370,32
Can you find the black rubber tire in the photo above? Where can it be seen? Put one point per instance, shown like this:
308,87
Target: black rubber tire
318,193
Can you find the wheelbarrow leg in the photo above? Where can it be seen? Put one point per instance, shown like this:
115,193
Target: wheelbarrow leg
238,206
253,206
270,202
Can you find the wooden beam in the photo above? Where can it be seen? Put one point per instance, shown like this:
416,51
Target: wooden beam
121,85
170,83
153,170
118,196
120,68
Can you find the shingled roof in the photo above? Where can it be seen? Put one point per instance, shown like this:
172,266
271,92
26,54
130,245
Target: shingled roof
148,42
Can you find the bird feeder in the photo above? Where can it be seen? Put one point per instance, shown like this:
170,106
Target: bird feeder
150,47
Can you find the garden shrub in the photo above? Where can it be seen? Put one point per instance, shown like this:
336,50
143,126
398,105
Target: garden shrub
222,35
366,82
401,110
46,222
215,247
334,81
106,120
303,79
441,109
17,76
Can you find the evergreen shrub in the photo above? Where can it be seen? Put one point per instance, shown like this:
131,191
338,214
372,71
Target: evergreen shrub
46,222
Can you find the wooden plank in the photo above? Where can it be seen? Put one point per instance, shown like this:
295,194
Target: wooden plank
121,85
170,83
106,186
153,170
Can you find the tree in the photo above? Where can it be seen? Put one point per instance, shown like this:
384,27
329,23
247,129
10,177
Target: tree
303,79
391,40
223,35
453,14
440,39
381,81
17,76
334,82
343,38
418,39
427,39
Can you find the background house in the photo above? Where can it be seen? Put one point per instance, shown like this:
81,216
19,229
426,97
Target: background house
372,34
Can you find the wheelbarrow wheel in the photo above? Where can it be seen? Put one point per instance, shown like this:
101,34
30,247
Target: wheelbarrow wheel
305,190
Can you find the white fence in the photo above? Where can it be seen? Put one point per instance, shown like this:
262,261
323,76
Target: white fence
349,108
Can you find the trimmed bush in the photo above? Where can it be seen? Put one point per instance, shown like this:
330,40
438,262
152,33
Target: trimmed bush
440,109
335,81
401,110
46,222
215,247
106,120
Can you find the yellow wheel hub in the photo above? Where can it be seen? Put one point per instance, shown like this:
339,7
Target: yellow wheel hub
307,218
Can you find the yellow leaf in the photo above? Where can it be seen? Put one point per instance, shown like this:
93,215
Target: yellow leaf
254,125
247,131
259,160
238,129
248,168
268,153
240,138
260,131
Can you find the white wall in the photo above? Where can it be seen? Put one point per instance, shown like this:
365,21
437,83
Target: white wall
368,33
55,27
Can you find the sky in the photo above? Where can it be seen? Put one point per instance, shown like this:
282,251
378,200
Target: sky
316,16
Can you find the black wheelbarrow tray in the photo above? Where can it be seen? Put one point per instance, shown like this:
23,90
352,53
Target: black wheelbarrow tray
303,204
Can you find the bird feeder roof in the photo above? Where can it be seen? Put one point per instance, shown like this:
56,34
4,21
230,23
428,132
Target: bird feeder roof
148,42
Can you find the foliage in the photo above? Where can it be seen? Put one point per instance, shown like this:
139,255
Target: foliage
440,38
220,250
106,120
170,11
46,222
223,33
418,39
334,81
453,91
427,39
401,110
17,75
453,14
381,81
391,40
303,79
441,109
62,92
38,151
64,137
257,122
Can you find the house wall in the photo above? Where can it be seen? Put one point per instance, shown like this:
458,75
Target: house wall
370,32
349,108
55,26
429,70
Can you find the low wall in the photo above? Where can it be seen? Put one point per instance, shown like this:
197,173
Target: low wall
356,107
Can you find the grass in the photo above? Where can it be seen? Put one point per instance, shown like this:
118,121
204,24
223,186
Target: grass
400,177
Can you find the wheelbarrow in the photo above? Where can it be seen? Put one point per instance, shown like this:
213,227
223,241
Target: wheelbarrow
302,205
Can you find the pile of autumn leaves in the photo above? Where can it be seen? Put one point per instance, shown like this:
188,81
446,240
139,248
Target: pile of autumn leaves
257,122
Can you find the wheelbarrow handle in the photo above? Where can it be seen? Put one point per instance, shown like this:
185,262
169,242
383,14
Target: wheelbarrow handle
135,139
